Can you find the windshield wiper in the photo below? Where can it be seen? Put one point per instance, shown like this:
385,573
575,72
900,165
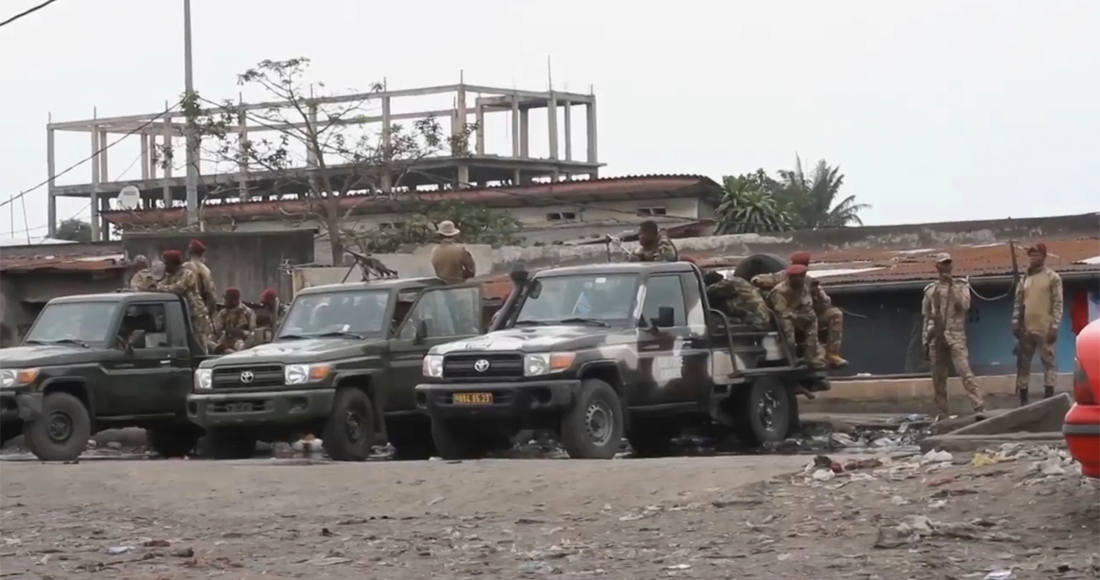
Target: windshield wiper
591,321
530,322
34,341
70,341
339,334
290,337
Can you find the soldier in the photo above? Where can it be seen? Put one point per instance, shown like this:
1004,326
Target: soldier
792,302
1036,317
183,282
197,264
830,319
452,261
142,280
944,307
653,245
235,324
739,299
268,316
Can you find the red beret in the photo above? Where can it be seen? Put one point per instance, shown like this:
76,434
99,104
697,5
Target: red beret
797,270
268,295
232,292
1039,247
172,257
196,247
800,258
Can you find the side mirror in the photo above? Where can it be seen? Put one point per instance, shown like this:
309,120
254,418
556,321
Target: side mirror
666,317
421,332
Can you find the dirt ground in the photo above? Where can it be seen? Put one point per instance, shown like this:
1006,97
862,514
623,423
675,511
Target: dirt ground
1027,514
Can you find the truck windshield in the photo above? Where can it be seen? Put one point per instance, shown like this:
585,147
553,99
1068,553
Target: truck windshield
339,313
75,322
587,297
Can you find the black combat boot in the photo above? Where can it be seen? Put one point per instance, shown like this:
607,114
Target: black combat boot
1023,397
1048,392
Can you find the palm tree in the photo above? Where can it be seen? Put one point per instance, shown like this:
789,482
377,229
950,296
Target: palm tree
812,199
748,206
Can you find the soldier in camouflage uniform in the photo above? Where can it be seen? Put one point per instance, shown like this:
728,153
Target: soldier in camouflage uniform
1036,317
946,302
197,264
739,299
792,302
653,245
268,316
142,280
183,282
830,320
235,324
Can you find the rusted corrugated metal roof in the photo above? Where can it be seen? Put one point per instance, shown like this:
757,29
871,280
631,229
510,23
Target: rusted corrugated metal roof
579,191
17,264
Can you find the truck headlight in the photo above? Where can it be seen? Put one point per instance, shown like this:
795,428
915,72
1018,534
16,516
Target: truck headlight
546,362
11,378
432,366
204,379
302,374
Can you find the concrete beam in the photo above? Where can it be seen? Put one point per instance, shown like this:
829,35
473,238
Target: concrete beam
971,443
178,128
1042,416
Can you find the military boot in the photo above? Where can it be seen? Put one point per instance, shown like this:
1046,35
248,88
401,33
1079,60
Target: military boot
1048,392
834,360
1023,397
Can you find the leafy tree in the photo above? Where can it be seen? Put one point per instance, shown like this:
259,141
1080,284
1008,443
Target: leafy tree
811,200
75,230
323,148
479,225
749,206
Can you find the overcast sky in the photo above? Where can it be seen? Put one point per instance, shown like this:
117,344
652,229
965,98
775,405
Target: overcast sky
937,110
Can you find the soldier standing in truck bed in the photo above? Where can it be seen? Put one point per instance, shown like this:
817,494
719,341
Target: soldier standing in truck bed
183,282
451,261
945,305
653,245
830,319
142,280
196,251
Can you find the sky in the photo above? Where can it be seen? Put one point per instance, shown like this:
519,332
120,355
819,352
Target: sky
935,111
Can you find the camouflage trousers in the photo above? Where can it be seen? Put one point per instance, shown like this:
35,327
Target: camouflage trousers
752,313
204,331
831,330
805,328
952,351
1029,344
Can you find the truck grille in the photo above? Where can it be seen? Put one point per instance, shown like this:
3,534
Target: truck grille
464,366
235,377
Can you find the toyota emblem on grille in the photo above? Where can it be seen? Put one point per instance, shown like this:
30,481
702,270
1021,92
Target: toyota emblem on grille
481,365
247,376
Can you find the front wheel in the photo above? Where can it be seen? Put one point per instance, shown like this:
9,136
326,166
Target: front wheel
593,428
349,432
175,441
61,432
764,411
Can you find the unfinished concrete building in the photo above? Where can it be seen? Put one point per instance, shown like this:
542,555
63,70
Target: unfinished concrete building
163,186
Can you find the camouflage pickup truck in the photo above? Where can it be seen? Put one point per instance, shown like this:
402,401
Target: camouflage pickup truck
101,361
342,366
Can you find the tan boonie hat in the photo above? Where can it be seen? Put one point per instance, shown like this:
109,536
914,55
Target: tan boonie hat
447,229
943,257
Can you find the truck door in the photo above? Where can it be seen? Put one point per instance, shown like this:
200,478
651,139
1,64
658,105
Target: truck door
149,380
672,363
448,313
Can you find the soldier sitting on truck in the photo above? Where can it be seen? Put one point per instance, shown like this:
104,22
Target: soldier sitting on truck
792,302
739,299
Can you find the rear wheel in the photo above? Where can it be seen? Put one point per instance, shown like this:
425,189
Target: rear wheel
349,432
764,411
175,441
593,428
61,432
229,443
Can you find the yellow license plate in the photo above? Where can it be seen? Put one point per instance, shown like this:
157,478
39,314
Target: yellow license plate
473,398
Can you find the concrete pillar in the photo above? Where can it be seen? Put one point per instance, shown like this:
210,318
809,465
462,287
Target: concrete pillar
387,146
463,176
459,126
104,175
568,131
480,120
145,165
552,124
104,228
166,146
524,134
590,109
517,177
51,172
515,127
242,155
96,167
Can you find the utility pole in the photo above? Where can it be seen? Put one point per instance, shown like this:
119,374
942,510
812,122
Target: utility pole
192,179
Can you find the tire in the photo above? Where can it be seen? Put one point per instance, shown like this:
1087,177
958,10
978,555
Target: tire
593,428
651,438
177,441
452,441
229,443
349,431
411,442
61,432
763,411
757,264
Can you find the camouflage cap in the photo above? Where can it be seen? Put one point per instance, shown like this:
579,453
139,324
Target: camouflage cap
943,257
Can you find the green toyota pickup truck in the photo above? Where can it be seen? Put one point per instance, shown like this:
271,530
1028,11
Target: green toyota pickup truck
343,366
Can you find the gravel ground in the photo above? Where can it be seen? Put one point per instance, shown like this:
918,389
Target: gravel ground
1020,514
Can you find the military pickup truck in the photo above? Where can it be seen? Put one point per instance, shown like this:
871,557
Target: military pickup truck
598,352
96,362
342,366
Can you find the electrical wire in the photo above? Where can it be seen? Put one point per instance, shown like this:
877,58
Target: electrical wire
27,12
133,131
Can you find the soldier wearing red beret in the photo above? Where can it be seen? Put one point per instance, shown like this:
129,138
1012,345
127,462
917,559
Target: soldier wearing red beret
182,281
792,302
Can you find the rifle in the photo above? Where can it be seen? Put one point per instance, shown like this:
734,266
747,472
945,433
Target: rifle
1015,287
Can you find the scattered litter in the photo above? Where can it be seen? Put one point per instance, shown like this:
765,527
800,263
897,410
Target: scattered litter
119,550
936,456
1000,575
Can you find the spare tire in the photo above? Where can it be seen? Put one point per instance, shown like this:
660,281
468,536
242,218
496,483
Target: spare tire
757,264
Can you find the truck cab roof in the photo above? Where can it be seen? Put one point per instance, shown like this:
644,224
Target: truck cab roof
381,284
122,297
618,268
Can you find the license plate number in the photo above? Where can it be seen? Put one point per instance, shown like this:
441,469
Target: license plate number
473,398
